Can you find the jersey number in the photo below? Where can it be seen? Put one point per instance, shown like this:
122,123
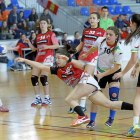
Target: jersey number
107,51
92,32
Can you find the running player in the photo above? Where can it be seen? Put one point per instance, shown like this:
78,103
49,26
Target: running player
69,71
110,57
134,41
90,35
46,42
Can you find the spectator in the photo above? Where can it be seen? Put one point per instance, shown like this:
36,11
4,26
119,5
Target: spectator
32,18
5,31
21,15
36,27
14,17
46,15
16,32
87,24
2,6
119,23
77,41
105,22
25,26
124,32
126,22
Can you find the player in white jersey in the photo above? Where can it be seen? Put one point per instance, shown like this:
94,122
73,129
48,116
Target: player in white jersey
110,57
134,40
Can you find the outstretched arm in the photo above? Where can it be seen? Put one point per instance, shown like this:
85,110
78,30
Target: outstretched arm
33,64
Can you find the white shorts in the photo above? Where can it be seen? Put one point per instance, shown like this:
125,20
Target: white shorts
88,63
88,79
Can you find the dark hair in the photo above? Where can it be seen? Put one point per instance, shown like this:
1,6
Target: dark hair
64,33
134,19
116,31
67,50
44,19
104,7
76,32
4,29
31,35
27,25
22,35
98,17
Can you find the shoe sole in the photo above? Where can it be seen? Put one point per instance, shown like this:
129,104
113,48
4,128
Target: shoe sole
36,105
131,134
87,121
70,112
90,128
107,125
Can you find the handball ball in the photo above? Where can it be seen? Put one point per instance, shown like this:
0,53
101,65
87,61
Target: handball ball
3,49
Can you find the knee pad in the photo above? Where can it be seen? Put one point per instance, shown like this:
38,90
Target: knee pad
34,80
43,80
114,93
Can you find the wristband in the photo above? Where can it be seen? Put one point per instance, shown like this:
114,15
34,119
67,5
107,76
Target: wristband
70,59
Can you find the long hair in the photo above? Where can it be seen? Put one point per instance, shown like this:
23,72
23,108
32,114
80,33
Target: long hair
116,31
4,29
67,50
134,19
27,25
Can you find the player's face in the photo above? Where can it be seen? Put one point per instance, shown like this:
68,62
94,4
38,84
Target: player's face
132,25
60,62
93,20
110,37
43,25
104,12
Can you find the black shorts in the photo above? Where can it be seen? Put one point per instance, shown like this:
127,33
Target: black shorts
103,81
138,83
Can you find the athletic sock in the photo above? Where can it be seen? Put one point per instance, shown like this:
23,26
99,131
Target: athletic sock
126,106
37,96
79,111
47,96
1,103
112,113
93,116
135,120
83,102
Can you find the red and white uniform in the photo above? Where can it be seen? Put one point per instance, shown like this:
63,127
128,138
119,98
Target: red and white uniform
89,37
72,75
45,56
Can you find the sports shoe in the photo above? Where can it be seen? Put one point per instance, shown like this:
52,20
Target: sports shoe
46,102
3,109
80,120
70,111
27,67
83,109
133,130
91,125
16,67
37,102
109,122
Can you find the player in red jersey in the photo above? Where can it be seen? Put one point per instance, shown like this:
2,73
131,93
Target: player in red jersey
69,71
90,35
46,42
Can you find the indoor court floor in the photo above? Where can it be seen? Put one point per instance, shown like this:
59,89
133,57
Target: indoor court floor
24,122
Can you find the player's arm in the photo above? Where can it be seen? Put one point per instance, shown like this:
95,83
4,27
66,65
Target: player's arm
34,64
79,47
33,48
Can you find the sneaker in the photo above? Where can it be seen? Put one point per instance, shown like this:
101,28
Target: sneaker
109,122
91,125
37,102
3,109
46,102
80,120
133,130
27,67
16,67
71,111
83,109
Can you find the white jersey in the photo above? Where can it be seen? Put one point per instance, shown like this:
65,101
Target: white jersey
107,59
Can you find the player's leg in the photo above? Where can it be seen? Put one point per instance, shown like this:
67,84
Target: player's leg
35,83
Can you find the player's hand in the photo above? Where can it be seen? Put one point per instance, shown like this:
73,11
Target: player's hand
15,48
117,75
133,73
44,47
26,41
63,57
83,56
99,76
19,59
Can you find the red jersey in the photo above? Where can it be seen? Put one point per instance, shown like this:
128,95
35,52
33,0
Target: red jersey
46,55
69,74
89,37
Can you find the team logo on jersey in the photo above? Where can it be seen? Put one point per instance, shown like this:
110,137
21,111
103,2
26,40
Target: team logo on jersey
99,33
89,42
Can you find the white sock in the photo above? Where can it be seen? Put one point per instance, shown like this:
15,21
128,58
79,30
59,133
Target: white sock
1,103
83,101
47,96
135,120
37,96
